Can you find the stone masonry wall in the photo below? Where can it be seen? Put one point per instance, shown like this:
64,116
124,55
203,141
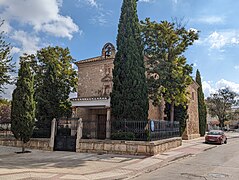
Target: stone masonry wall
128,147
90,77
192,131
34,143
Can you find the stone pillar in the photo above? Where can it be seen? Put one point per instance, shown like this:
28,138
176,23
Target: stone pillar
79,133
74,114
108,127
53,133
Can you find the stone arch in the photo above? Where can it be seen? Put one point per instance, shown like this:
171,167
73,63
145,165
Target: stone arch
108,51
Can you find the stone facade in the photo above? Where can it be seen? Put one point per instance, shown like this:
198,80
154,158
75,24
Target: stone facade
128,147
95,85
192,124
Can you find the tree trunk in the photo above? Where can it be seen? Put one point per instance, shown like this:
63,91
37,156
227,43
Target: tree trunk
221,124
172,113
23,147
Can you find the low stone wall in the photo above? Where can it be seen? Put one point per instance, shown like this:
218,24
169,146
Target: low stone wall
128,147
34,143
191,136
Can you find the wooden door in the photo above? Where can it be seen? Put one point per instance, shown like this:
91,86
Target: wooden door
101,130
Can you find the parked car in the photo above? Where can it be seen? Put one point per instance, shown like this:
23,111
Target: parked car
216,136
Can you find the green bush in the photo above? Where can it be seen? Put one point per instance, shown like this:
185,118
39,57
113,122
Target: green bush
41,133
123,136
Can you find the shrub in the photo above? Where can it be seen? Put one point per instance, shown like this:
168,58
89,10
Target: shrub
123,136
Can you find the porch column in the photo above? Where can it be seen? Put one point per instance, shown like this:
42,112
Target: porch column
79,133
108,122
53,133
74,113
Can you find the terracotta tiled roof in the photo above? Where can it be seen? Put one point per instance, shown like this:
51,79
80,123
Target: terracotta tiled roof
98,58
89,60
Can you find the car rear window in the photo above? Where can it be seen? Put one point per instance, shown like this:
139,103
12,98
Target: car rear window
215,133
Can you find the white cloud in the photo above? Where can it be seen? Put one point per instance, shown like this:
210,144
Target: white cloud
218,40
236,67
227,84
43,15
6,27
211,19
15,50
99,19
29,43
56,28
210,87
92,3
146,1
207,88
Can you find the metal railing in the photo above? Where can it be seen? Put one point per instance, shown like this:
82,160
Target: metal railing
89,129
144,130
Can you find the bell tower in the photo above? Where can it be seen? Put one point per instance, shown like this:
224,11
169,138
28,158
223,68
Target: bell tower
108,51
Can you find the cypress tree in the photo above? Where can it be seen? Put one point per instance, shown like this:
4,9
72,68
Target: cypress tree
202,111
23,105
129,98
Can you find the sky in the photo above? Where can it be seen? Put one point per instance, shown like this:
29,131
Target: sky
84,26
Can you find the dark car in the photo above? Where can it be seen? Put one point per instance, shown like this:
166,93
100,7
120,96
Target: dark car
216,136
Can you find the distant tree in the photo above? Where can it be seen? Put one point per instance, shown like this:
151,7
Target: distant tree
220,103
23,104
202,110
5,111
6,65
129,97
55,79
168,71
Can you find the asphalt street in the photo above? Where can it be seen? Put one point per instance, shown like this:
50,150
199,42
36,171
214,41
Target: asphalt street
218,162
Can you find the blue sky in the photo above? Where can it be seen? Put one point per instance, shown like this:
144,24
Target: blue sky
86,25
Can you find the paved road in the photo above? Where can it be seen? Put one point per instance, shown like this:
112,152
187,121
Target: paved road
62,165
69,165
219,163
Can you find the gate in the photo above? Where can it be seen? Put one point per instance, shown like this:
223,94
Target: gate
65,139
101,131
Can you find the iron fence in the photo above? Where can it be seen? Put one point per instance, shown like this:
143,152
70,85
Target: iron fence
5,131
89,129
144,130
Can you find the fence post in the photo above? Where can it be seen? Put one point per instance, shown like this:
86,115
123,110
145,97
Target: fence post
108,127
79,133
53,129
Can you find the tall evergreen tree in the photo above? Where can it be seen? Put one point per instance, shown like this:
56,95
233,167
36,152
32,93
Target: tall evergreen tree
6,65
202,110
129,98
55,79
23,104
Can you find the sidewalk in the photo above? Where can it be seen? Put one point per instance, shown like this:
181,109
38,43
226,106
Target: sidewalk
70,165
